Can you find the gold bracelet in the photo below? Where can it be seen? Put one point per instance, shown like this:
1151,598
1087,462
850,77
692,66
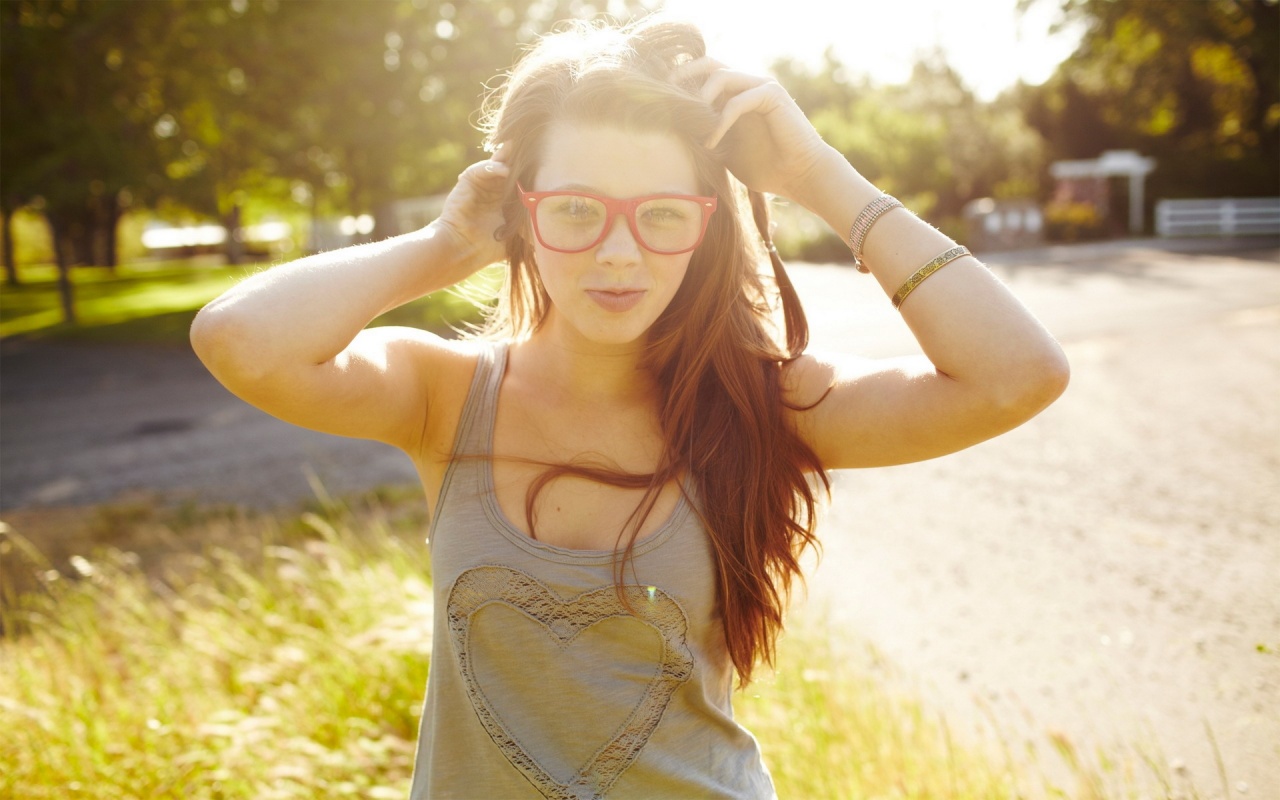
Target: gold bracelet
927,270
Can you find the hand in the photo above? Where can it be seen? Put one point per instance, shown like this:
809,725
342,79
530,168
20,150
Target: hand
771,145
473,210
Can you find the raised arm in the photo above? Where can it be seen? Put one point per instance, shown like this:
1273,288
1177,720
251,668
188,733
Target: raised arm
292,340
988,364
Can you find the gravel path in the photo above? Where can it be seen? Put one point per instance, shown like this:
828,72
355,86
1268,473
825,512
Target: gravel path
1107,571
87,424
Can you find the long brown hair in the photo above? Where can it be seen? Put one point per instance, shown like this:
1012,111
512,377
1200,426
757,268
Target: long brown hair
712,351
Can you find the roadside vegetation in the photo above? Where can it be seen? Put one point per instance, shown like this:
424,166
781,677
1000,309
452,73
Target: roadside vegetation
153,302
213,653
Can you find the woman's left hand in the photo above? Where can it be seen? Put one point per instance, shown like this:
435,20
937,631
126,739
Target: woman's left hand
771,146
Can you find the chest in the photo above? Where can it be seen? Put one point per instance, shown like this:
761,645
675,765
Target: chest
578,477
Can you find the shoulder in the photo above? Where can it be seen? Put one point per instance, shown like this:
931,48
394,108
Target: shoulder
448,358
805,383
437,361
452,365
809,378
418,362
846,407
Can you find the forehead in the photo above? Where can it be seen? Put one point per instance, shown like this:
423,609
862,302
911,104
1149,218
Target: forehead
614,162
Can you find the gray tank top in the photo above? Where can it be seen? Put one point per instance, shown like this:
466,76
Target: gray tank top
542,684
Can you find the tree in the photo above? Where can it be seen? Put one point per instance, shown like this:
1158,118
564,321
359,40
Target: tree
929,140
64,136
203,103
1197,85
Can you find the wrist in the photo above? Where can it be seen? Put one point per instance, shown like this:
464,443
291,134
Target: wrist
436,257
458,253
832,188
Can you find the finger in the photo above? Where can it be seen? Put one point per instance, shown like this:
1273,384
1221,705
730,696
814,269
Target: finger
485,170
483,181
760,99
727,80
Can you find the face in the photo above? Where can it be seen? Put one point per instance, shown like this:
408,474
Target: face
612,293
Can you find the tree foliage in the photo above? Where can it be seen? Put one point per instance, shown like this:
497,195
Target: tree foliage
1195,84
347,103
929,141
203,104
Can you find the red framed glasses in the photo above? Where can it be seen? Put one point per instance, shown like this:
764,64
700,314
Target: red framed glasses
571,222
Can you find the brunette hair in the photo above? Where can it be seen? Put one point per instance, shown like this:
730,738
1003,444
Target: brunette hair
712,351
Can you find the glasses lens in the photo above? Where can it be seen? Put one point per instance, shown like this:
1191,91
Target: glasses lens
574,222
669,224
570,222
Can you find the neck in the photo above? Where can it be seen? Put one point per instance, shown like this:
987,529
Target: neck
578,369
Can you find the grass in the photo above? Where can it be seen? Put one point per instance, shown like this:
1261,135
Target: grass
154,302
274,656
283,660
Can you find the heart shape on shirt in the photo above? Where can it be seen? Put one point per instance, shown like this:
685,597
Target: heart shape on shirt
562,622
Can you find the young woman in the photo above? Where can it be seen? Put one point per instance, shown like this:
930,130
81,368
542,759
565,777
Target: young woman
623,474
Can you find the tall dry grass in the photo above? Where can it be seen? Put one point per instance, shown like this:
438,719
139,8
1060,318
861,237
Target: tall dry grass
277,657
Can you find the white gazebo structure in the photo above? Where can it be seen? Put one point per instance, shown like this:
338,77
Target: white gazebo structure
1112,163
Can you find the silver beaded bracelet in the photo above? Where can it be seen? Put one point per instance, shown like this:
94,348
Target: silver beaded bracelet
862,226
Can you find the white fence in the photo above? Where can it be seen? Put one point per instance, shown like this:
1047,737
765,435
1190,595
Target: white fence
1253,216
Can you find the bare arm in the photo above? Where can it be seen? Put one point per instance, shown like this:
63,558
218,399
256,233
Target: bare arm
989,364
292,340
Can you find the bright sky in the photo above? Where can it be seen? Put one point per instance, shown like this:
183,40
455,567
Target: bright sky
984,40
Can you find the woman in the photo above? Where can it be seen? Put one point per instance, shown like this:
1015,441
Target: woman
622,476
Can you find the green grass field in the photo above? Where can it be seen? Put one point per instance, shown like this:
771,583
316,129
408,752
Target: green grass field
215,654
154,302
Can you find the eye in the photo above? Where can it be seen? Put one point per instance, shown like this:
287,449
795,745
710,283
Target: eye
570,207
671,211
663,214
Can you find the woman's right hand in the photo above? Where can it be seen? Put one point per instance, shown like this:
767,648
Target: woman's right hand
473,211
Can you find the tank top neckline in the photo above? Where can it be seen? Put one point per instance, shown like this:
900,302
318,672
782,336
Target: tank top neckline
496,362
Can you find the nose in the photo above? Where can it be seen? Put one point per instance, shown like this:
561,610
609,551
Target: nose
619,244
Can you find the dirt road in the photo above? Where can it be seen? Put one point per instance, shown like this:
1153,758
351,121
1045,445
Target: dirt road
84,424
1109,571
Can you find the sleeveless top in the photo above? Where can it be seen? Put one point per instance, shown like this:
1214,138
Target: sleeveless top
542,683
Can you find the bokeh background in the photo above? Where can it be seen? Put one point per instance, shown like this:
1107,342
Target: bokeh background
280,120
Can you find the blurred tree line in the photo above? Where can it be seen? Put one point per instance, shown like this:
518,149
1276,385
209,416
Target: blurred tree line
347,106
1196,85
930,141
340,105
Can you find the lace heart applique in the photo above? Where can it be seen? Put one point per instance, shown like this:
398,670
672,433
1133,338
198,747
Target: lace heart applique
557,625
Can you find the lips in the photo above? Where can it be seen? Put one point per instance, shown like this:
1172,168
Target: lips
616,300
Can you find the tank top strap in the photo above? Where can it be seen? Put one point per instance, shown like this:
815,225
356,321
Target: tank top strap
475,427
